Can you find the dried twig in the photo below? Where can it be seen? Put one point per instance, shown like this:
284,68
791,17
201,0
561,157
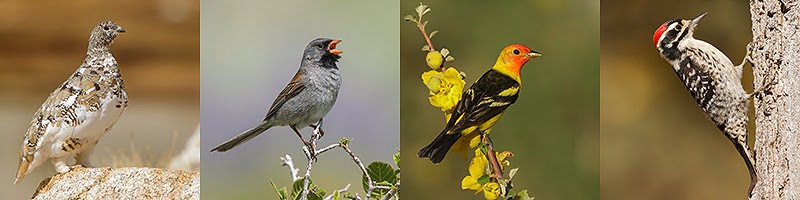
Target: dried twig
313,141
287,161
370,184
329,197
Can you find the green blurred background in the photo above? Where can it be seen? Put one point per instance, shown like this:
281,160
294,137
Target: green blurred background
250,51
553,127
656,143
43,43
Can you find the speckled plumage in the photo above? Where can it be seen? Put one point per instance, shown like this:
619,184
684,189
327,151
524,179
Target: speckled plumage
80,111
712,80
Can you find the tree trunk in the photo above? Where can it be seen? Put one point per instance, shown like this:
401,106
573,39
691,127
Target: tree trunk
775,55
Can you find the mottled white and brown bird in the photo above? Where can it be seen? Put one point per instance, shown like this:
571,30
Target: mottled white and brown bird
79,112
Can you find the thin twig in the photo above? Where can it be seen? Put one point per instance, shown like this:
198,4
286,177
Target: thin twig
287,161
313,140
327,148
392,192
370,184
498,173
329,197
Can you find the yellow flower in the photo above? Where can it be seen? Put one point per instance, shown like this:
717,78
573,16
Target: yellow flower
469,141
434,59
491,190
445,88
477,168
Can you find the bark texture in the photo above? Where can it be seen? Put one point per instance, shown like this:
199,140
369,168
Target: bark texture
120,183
776,58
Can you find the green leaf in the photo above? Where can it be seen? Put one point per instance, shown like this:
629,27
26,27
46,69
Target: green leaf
433,33
449,58
409,18
282,194
381,173
422,9
523,195
445,52
313,192
396,158
335,195
512,173
484,179
424,24
426,48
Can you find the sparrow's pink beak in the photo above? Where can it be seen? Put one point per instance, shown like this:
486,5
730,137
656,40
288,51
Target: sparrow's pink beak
332,47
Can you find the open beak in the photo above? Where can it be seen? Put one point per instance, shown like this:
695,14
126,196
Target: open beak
332,47
532,54
696,20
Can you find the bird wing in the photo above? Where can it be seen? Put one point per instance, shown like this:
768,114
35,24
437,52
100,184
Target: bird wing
291,90
485,99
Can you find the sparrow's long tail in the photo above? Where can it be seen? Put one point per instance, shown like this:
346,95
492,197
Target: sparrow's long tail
241,138
437,150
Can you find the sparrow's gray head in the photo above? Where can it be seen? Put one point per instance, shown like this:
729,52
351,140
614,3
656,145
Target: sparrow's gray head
103,34
323,50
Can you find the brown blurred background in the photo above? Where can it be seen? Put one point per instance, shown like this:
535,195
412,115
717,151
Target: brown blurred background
656,143
43,43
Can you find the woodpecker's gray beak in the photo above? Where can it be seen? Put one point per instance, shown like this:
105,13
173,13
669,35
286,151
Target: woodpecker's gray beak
533,54
696,20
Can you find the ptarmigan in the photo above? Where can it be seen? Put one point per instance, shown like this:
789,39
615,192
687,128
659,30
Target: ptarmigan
80,111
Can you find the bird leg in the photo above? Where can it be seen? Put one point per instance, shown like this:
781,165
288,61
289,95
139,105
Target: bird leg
306,143
319,124
61,164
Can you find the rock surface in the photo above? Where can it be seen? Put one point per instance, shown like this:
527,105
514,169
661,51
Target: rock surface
120,183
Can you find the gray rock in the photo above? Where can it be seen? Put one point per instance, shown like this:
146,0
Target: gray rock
120,183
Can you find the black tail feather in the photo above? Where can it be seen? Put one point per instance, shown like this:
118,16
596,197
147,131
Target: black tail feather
437,150
749,160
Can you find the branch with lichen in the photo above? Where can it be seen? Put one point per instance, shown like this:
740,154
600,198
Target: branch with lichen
445,88
375,177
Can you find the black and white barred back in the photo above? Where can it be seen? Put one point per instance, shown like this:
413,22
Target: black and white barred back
712,80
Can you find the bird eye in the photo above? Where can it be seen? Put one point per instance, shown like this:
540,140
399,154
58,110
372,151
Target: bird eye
516,51
105,28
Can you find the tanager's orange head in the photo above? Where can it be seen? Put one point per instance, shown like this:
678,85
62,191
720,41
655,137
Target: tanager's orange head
514,56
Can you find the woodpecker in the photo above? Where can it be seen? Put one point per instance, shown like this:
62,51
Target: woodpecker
713,81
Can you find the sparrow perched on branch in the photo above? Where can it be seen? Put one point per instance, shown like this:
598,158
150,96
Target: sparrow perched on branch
80,111
482,105
306,99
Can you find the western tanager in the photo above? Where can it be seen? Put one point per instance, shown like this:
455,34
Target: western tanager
484,102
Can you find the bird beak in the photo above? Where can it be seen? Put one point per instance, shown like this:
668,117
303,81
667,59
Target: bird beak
332,47
120,30
22,170
533,54
696,20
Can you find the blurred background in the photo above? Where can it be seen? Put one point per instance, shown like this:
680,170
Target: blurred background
250,51
552,128
43,43
656,142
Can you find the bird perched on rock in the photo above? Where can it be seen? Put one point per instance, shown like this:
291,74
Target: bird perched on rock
80,111
306,99
482,105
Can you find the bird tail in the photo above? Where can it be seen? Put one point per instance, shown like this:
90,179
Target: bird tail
749,160
437,150
241,138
